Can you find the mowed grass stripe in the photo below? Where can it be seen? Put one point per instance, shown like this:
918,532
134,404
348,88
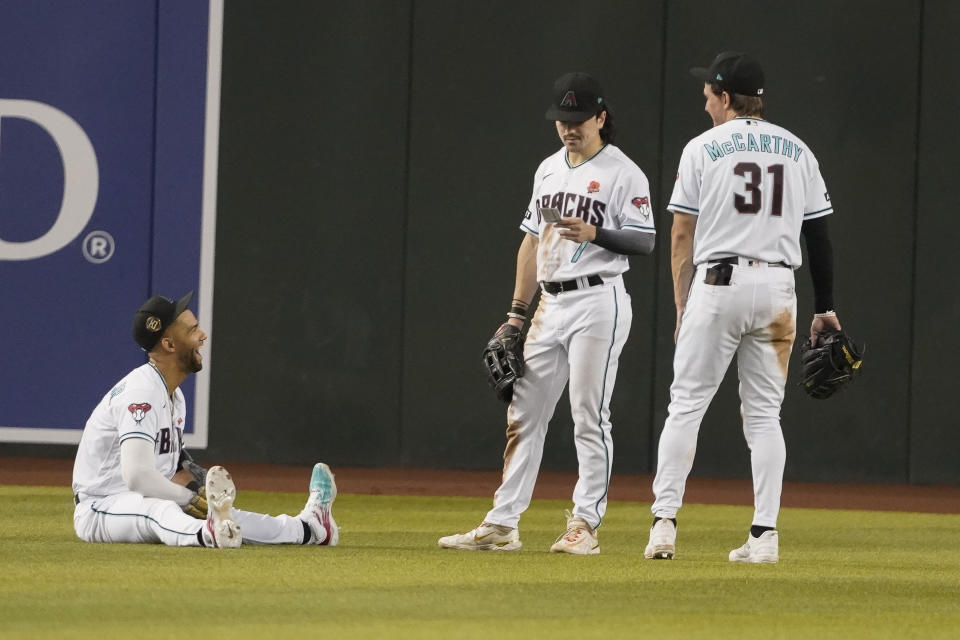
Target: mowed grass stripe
849,574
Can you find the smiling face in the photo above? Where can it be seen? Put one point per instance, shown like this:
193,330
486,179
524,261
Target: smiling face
186,337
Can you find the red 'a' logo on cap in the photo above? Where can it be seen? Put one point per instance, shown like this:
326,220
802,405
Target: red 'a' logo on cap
569,100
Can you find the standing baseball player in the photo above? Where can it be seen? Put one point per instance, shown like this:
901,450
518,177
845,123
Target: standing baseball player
581,324
131,449
745,191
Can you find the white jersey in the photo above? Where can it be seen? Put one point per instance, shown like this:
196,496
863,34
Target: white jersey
751,184
607,191
137,407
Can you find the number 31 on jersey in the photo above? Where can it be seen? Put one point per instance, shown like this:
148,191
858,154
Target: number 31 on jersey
751,201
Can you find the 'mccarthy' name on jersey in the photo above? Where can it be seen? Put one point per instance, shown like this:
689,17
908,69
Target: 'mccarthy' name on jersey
575,204
762,142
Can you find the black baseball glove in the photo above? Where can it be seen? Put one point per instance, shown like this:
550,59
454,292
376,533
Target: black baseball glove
503,360
830,364
197,507
188,464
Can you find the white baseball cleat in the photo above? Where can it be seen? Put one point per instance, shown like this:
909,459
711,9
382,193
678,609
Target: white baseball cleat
764,549
317,512
224,532
580,538
485,537
663,541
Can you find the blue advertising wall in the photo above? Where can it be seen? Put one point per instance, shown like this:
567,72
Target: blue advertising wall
104,153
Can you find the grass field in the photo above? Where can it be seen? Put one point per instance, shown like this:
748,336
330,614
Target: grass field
842,574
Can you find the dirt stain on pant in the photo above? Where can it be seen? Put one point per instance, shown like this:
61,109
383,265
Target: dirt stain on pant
513,439
783,331
536,322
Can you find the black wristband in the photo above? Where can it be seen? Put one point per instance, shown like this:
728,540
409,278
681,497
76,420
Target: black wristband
194,486
520,311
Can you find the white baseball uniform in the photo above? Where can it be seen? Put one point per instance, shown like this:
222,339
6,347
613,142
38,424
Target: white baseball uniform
107,511
576,334
751,185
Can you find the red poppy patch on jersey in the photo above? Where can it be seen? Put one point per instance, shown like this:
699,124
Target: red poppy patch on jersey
593,187
139,410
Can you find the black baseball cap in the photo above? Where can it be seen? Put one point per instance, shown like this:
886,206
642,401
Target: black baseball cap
153,318
734,72
577,97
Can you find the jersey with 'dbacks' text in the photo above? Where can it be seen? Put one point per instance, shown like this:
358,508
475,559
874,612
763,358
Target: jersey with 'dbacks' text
609,191
137,407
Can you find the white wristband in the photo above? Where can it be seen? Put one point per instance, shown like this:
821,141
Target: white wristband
826,314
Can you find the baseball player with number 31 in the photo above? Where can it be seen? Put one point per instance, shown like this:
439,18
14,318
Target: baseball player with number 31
589,210
745,191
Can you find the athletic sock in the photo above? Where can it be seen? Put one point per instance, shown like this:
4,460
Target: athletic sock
307,533
756,530
657,519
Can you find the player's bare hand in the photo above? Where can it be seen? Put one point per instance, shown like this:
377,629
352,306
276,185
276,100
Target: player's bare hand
576,230
821,323
515,322
182,478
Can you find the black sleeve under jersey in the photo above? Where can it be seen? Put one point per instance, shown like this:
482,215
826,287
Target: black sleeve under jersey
820,256
625,241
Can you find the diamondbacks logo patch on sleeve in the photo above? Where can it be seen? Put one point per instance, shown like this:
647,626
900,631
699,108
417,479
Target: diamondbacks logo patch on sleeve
642,203
139,411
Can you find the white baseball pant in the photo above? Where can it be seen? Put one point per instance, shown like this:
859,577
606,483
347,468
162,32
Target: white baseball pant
576,335
755,318
130,517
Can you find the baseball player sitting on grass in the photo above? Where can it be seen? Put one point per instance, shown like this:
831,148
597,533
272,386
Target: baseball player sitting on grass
125,477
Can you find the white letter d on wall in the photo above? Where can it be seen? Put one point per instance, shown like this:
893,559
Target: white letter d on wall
81,180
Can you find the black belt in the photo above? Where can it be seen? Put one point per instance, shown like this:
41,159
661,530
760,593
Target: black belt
553,288
736,260
76,499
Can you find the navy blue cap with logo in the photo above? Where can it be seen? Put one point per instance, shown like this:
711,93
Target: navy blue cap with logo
154,317
733,72
577,97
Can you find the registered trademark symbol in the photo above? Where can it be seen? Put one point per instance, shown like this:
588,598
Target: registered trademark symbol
98,247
